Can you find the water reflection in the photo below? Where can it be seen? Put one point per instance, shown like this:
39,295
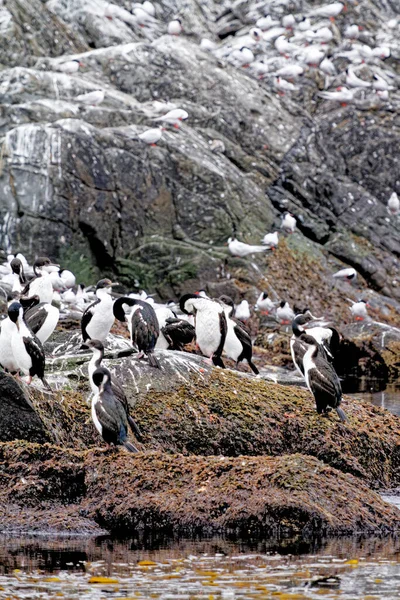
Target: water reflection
388,399
143,567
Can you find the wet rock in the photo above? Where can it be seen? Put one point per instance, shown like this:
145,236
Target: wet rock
18,417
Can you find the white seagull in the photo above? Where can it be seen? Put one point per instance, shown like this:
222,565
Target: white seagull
394,204
91,98
241,249
151,136
270,240
288,223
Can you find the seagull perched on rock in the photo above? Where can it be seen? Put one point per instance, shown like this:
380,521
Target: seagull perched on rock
394,204
151,136
241,249
175,27
359,310
328,10
348,273
91,98
342,94
174,117
288,222
271,240
353,81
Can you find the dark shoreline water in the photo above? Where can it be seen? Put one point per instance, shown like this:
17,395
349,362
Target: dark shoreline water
293,569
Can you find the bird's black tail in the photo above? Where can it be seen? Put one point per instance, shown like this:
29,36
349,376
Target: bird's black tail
253,368
341,414
135,428
153,361
130,447
217,360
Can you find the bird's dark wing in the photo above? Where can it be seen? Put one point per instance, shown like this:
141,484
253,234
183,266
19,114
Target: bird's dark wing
29,302
223,327
325,382
36,316
242,325
86,318
113,419
145,328
35,350
178,332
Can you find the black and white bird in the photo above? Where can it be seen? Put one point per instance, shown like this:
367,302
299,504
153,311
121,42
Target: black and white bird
27,349
97,349
163,313
178,333
284,313
327,338
98,318
109,415
238,345
41,284
42,319
265,304
321,378
142,324
210,325
298,348
348,274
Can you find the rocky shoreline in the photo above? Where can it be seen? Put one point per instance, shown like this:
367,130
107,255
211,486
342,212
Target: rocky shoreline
222,452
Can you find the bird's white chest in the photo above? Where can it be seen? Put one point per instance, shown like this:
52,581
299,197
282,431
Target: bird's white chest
19,351
43,288
232,347
102,319
308,364
208,334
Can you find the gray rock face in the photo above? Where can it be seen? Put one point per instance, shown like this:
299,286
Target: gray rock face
76,181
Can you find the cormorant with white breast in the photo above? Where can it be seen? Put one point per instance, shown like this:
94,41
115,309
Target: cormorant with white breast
97,349
238,345
98,318
142,324
109,415
321,378
327,337
41,284
210,325
27,349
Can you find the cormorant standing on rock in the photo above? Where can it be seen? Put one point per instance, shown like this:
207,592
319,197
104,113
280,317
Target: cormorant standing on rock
98,318
97,349
142,324
109,415
321,378
210,326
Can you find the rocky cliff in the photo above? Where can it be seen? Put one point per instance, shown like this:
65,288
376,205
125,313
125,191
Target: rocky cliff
77,183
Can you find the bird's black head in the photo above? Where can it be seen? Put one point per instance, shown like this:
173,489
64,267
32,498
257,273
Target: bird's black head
182,301
16,266
104,283
118,307
13,311
93,345
101,376
44,264
264,295
282,303
227,300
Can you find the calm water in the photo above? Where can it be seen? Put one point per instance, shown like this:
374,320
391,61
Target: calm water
347,568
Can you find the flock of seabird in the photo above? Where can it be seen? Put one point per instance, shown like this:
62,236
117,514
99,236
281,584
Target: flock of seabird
35,294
